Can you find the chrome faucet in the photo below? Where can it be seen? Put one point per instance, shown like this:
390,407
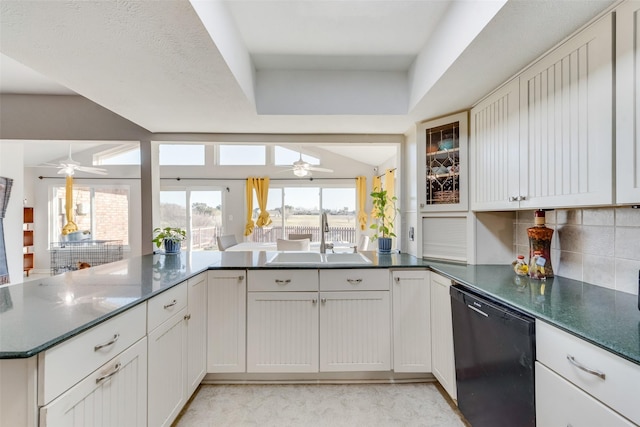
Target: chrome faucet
324,228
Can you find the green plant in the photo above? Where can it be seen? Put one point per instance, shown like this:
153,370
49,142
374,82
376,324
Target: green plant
168,233
384,211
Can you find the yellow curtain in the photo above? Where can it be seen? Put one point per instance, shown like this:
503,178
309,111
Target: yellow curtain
390,186
361,195
375,187
262,191
70,226
248,228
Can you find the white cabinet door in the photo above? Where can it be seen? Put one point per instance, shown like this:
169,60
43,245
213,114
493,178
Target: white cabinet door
167,382
494,152
560,403
282,332
628,102
226,322
355,331
411,321
566,123
196,331
443,361
114,395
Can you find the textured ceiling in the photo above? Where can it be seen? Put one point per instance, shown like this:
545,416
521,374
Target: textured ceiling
273,66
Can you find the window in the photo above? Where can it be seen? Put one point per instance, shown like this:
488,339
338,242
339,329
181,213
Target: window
242,155
101,209
121,155
181,154
284,156
203,221
298,209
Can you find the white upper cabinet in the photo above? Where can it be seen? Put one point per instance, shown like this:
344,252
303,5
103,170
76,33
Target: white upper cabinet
545,139
442,164
628,102
566,123
495,149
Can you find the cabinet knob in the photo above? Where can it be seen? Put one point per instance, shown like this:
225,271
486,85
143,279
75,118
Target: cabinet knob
397,279
187,317
240,278
314,301
323,300
513,199
521,198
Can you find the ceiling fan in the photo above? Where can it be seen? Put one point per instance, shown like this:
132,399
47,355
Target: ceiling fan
69,166
301,168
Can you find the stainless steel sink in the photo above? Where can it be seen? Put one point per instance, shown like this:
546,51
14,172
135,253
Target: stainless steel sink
315,258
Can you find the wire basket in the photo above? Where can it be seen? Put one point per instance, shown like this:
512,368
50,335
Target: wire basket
71,256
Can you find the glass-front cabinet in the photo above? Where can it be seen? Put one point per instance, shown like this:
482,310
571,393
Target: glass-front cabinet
442,163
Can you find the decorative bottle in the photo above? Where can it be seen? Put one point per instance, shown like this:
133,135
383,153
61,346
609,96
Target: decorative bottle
540,241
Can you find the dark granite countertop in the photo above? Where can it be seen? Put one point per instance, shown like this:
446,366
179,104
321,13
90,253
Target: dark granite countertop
39,314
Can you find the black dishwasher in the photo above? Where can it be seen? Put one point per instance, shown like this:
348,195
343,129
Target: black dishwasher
494,350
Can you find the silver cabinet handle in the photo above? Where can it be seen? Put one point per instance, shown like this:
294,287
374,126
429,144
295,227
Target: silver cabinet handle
283,282
580,366
171,304
240,278
110,374
323,300
314,301
108,343
397,279
187,317
513,199
354,281
521,198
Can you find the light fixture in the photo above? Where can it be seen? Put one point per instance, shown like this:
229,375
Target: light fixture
300,172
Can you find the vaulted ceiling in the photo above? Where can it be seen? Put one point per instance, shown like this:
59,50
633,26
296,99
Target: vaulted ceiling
275,66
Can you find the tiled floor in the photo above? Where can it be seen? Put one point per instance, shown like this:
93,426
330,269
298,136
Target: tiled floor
350,405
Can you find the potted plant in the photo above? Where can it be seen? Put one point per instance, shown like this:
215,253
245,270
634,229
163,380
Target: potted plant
170,237
384,211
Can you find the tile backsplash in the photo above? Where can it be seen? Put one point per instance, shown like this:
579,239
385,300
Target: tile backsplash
599,246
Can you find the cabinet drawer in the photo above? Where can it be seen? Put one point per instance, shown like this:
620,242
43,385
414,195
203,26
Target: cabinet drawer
354,280
165,305
67,363
115,394
282,280
560,403
618,388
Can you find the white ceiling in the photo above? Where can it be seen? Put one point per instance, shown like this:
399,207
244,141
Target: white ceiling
272,66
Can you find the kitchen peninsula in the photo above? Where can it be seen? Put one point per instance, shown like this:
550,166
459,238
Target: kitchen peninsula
39,317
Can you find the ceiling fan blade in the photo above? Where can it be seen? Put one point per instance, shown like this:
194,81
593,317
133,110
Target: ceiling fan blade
88,169
313,168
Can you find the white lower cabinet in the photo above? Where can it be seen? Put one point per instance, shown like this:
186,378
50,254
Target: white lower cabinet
167,367
411,319
355,332
560,403
282,332
443,361
113,395
226,324
196,331
606,377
